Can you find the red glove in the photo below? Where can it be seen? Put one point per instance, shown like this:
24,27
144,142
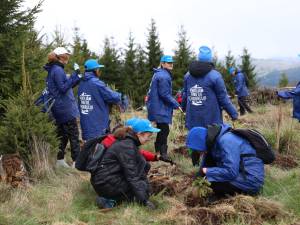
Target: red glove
149,156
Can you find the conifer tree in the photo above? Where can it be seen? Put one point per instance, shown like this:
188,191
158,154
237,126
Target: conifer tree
16,27
141,82
248,69
80,51
283,81
183,57
129,69
153,51
229,62
153,47
111,73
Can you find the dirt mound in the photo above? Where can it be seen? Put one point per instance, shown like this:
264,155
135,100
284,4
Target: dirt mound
180,139
162,178
12,170
182,150
285,161
253,210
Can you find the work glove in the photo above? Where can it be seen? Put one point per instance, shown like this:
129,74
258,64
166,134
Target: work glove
150,205
76,67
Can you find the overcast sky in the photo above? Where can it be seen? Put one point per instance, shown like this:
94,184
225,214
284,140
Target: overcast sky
268,28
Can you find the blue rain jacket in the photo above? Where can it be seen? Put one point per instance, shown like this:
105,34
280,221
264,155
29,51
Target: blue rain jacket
240,85
94,98
60,87
160,103
295,95
226,154
205,96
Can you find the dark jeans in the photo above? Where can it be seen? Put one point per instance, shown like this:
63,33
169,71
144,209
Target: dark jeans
243,104
225,188
162,136
68,132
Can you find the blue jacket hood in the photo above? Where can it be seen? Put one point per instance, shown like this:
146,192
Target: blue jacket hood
200,69
48,66
88,76
225,128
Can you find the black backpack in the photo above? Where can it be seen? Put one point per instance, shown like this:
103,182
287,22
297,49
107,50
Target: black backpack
91,155
263,149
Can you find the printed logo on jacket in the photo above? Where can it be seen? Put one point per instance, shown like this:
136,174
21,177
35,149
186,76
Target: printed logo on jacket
196,96
85,105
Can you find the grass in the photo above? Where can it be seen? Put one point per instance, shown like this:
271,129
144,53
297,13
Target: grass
66,197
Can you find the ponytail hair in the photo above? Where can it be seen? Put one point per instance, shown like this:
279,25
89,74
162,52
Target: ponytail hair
52,57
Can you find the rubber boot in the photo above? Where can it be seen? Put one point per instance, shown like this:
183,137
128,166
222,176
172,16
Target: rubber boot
164,152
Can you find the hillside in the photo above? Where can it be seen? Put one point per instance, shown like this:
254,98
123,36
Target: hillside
271,79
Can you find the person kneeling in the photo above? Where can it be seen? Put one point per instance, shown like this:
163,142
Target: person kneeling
120,174
222,163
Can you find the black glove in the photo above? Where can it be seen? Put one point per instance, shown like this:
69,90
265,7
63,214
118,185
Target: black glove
150,205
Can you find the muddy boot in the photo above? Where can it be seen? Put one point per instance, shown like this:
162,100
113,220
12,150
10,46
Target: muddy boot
164,153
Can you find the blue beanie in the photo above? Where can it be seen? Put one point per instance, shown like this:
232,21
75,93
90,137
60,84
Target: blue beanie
205,54
196,139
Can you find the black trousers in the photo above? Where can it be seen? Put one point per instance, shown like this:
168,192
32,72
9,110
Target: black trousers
243,104
225,188
162,136
68,132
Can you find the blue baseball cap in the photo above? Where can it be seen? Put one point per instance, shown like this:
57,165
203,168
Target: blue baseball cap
143,125
131,121
167,58
205,54
196,139
231,70
92,64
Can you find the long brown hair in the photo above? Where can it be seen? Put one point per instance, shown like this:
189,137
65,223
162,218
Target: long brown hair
52,57
120,133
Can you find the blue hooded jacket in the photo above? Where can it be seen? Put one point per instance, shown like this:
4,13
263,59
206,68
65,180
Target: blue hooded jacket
93,99
60,87
240,85
226,154
160,102
295,95
205,96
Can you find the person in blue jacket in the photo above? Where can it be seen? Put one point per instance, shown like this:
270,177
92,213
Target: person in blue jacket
241,90
295,95
204,95
229,162
160,103
64,109
94,97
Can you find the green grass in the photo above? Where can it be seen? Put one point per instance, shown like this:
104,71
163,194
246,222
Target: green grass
284,186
